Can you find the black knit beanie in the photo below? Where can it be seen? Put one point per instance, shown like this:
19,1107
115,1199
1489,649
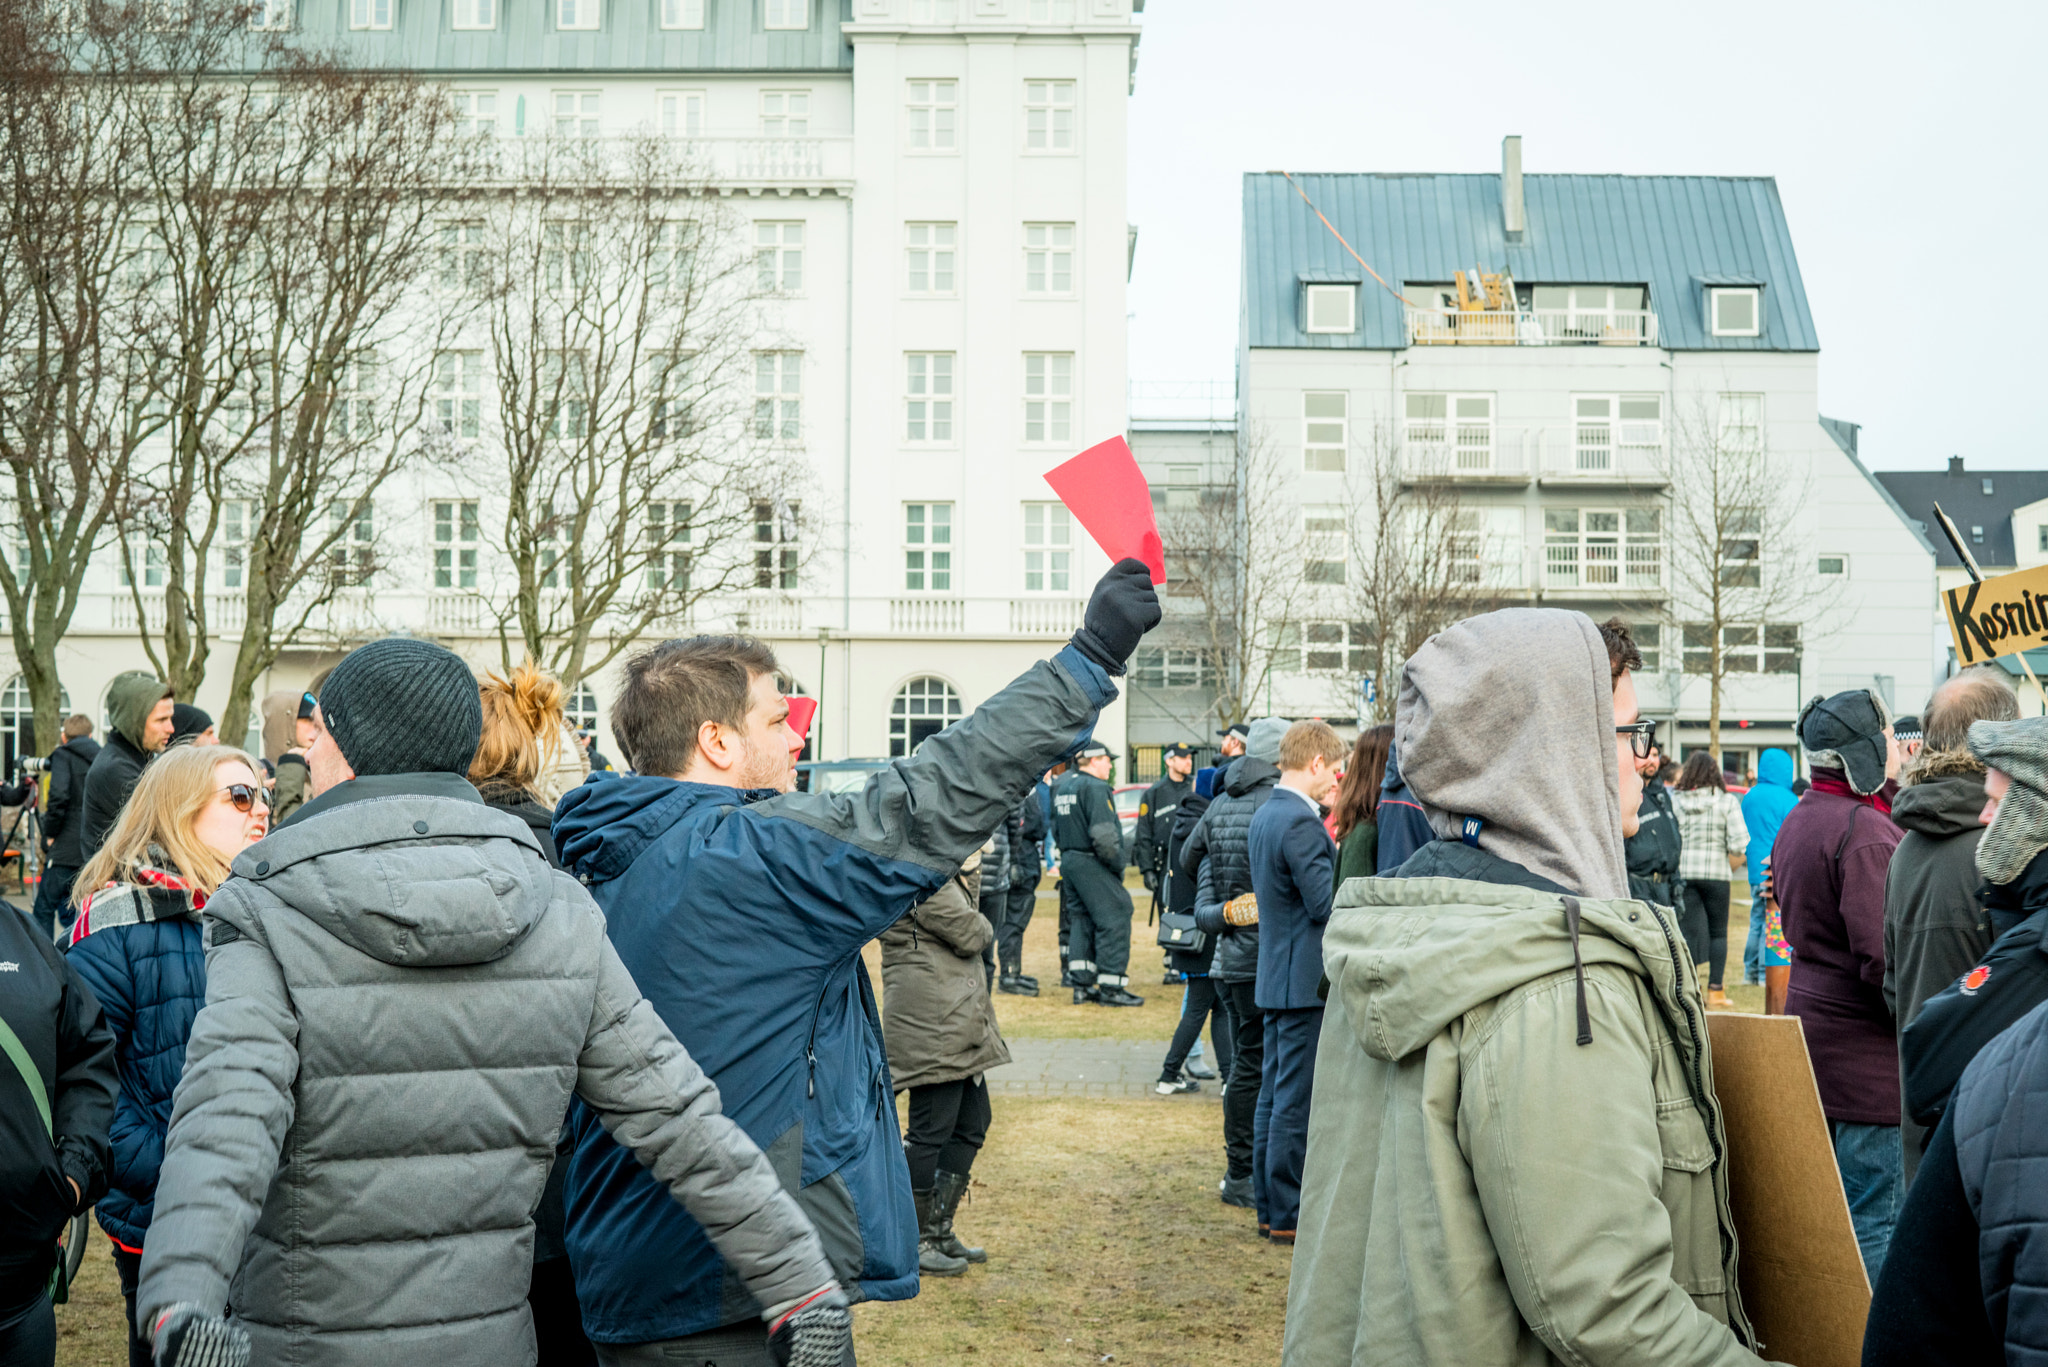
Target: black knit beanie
401,706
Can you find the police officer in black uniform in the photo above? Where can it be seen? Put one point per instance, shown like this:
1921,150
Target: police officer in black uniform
1085,827
1652,852
1155,823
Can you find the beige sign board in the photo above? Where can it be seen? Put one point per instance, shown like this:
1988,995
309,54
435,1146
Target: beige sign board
1802,1278
2002,615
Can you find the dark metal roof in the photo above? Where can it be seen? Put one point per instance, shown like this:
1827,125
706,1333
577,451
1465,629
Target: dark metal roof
1960,492
1675,234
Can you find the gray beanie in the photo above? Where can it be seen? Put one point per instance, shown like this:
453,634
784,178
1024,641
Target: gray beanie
403,706
1263,742
2019,750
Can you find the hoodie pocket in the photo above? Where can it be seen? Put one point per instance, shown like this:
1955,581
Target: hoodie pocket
1688,1197
1682,1135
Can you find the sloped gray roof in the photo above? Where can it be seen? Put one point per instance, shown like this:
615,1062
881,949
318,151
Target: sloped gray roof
1960,492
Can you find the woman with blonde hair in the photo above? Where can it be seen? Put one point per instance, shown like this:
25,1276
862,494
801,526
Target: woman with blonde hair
137,945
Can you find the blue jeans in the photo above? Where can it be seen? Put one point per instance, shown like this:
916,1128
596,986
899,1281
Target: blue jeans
1868,1156
1753,947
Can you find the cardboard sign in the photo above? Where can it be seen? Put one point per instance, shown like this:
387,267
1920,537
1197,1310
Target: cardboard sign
1998,616
802,711
1802,1278
1104,490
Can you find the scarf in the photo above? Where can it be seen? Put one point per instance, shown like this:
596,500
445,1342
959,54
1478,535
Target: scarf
1835,782
154,892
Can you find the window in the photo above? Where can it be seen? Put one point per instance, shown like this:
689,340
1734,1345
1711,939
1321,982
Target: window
1589,313
459,393
355,398
1048,258
1332,308
1735,312
1977,533
1742,548
371,14
237,521
1324,439
1742,423
1324,648
2041,533
922,708
1048,116
1834,566
682,111
1633,423
150,556
927,547
464,260
576,14
674,265
1603,548
548,536
1649,638
475,14
476,113
669,382
928,385
778,396
576,113
270,15
1048,395
929,255
682,13
778,257
351,557
785,113
1323,543
933,109
1987,486
456,536
668,545
786,14
564,383
565,255
580,711
1048,542
1449,431
1745,649
1164,667
775,545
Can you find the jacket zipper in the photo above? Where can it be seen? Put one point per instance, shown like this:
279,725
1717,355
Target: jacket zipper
811,1043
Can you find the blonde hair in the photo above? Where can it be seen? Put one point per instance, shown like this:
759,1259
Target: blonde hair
1307,739
522,732
175,788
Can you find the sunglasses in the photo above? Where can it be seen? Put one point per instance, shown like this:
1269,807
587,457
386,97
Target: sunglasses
1642,737
243,796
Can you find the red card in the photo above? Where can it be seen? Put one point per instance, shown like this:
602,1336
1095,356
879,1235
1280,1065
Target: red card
1104,491
801,712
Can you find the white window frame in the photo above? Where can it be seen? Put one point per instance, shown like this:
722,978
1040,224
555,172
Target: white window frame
1047,258
352,557
1158,667
786,113
785,15
1744,527
458,537
473,16
237,527
1619,437
1323,646
778,396
578,16
1325,544
1048,397
1046,133
929,391
354,411
1839,561
459,394
931,253
1739,422
778,528
778,256
463,259
937,100
373,16
926,696
150,555
476,111
270,16
1746,647
674,267
1458,440
927,526
668,527
1755,296
680,113
1624,554
584,114
1048,548
1310,294
682,14
1325,438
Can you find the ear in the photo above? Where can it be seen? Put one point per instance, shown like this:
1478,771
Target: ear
712,744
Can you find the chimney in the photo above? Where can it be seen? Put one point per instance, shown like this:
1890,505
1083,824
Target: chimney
1511,185
1955,465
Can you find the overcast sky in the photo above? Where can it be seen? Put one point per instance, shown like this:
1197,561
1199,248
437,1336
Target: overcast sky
1910,146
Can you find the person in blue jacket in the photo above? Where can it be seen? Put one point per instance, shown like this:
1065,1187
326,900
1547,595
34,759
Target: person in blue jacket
1763,810
741,907
1403,827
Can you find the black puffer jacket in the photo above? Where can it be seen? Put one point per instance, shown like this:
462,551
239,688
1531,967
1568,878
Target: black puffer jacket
1219,857
64,819
1027,841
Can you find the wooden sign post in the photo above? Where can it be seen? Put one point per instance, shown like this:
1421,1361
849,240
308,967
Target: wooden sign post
1993,617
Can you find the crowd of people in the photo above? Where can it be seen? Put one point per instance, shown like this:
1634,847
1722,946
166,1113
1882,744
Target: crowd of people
425,1035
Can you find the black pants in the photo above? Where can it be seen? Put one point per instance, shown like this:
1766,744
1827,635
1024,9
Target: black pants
1203,1003
1066,914
1247,1064
129,1267
1291,1036
557,1318
1705,924
948,1125
1023,899
1099,935
28,1333
736,1345
53,897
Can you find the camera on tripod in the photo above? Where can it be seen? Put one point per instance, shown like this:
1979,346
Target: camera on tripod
34,764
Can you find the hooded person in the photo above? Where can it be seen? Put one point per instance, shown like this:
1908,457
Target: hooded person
139,711
402,997
191,726
1516,1155
1764,808
288,731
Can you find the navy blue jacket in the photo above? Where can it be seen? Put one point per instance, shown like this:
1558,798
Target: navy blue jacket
1404,828
1294,873
150,978
741,916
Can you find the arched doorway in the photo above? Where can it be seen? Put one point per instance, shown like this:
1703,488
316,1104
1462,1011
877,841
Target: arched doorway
18,739
922,708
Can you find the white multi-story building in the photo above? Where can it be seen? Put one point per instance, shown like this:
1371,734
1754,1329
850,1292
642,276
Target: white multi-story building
1642,307
940,185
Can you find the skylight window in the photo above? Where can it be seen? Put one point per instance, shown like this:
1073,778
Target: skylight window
1735,312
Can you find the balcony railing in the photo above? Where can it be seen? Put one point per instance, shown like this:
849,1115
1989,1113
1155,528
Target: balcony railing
1045,616
1531,327
728,162
1607,453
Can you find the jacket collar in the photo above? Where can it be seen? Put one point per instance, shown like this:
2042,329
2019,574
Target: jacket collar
386,785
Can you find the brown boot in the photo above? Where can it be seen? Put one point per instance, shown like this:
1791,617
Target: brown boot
1717,1000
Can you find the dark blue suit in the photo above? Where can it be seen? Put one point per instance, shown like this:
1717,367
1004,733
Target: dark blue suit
1294,873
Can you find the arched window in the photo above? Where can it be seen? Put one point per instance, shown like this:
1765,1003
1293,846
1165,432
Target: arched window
581,708
18,724
923,708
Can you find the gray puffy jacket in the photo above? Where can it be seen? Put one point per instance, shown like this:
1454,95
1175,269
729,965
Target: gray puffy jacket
401,996
1218,854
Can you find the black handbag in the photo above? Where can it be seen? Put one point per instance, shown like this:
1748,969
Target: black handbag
1177,930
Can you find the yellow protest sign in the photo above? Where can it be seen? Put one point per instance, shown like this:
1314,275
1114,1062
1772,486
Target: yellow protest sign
1998,616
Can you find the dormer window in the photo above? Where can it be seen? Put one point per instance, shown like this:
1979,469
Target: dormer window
1735,312
576,14
1987,486
1332,308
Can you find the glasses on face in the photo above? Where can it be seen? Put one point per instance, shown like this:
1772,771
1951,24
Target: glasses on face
1642,737
243,796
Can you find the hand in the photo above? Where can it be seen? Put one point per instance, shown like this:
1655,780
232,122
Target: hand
76,1194
186,1336
818,1333
1120,611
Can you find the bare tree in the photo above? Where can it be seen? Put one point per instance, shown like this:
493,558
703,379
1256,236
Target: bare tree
638,481
1741,576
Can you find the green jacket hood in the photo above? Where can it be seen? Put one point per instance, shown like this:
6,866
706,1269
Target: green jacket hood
131,697
1411,955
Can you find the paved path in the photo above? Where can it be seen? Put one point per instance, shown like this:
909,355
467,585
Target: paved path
1087,1067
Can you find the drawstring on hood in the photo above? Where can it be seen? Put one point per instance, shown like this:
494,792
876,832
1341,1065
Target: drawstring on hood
1571,921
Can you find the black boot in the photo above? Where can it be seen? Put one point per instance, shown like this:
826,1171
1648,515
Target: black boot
1029,981
1066,973
1084,995
946,1194
932,1260
1015,986
1115,995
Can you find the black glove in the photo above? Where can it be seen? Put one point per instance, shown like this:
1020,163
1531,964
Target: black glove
818,1335
186,1336
1120,611
1151,881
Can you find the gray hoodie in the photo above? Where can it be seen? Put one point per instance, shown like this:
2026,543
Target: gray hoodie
401,997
